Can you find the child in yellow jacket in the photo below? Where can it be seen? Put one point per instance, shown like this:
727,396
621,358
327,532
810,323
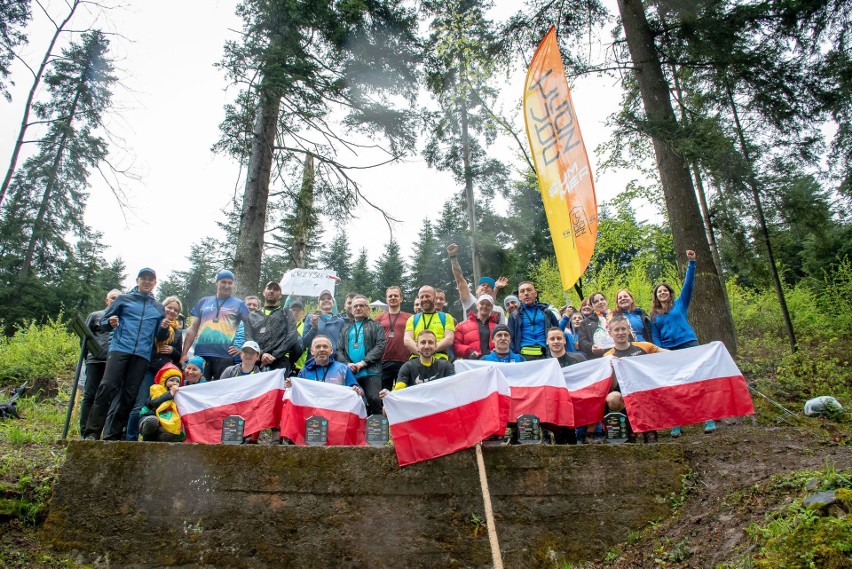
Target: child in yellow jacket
160,420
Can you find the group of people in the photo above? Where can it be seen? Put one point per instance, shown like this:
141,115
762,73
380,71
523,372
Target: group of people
147,355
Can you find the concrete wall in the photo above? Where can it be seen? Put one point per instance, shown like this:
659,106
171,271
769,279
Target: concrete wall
148,504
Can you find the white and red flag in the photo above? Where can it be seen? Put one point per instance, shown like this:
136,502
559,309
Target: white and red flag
681,387
447,415
204,406
588,383
537,388
343,408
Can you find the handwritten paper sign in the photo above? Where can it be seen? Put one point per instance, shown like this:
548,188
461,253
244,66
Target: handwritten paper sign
308,282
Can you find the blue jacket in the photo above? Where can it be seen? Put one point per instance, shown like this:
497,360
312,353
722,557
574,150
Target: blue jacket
672,329
139,318
335,372
640,323
511,358
516,321
330,327
570,334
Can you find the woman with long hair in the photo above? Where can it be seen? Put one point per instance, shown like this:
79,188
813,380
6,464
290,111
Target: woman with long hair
640,323
594,338
669,326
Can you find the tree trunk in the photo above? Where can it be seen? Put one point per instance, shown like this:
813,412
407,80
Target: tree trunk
761,218
468,192
709,314
304,207
16,151
51,182
256,195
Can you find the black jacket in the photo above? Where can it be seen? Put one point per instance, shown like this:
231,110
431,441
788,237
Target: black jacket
276,333
374,341
586,335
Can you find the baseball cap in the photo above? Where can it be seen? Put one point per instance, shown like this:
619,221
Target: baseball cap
487,297
297,304
146,270
251,345
273,284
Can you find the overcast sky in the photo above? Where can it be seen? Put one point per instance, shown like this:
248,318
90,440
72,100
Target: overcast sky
167,113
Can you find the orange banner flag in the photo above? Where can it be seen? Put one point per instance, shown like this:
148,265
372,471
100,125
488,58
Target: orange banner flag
561,162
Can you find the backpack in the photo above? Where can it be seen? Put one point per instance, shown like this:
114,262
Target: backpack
442,316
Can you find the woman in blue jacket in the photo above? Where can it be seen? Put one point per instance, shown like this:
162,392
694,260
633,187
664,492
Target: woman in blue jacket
669,327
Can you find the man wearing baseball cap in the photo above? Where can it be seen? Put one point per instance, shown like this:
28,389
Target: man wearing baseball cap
135,319
274,328
214,325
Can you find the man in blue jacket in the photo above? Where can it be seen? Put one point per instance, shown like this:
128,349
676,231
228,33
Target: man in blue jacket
529,324
136,319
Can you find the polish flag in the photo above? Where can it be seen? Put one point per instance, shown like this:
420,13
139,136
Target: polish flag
588,383
537,389
204,406
343,408
447,415
681,387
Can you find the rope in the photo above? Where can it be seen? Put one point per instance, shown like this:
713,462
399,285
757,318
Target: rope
489,512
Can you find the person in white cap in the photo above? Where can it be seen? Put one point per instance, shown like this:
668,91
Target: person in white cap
473,336
249,354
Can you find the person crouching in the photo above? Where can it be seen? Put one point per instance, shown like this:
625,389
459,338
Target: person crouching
160,420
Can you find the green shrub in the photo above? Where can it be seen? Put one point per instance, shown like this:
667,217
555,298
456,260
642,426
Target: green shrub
38,351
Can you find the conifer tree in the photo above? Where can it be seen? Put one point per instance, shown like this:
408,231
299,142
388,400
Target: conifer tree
390,269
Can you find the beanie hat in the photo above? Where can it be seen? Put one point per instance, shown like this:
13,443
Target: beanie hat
225,274
500,328
197,361
510,298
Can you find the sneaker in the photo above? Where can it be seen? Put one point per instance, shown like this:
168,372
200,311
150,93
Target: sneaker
676,432
709,427
650,437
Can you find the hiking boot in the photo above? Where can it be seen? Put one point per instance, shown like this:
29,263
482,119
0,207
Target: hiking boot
676,432
709,427
650,437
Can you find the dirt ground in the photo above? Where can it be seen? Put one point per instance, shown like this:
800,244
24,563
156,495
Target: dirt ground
710,528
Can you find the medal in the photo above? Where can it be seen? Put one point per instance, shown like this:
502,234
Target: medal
356,345
390,334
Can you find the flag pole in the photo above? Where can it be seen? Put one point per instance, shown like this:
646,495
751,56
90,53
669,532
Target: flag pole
489,512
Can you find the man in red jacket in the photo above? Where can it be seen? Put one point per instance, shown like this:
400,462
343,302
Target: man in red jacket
473,336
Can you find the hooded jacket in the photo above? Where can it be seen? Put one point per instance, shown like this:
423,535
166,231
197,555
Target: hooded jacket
139,317
515,324
276,333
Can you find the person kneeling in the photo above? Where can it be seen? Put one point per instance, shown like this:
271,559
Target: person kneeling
160,420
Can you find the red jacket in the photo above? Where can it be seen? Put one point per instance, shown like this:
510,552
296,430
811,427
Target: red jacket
467,335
